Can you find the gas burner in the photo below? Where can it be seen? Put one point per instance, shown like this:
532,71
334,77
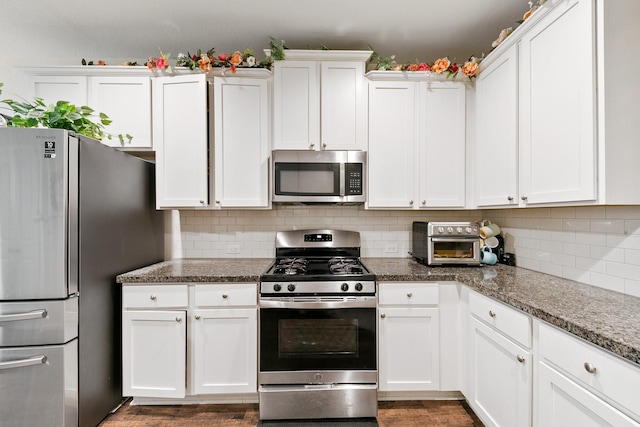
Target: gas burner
291,266
345,266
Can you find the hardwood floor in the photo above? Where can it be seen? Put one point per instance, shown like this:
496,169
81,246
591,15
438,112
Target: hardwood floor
428,413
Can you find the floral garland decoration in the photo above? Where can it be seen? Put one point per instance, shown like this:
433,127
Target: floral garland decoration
440,66
207,61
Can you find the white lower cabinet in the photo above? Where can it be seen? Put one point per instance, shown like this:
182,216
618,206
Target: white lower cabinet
189,340
579,384
408,326
500,366
154,337
225,339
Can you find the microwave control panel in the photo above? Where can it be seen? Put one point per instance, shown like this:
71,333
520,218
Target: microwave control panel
354,179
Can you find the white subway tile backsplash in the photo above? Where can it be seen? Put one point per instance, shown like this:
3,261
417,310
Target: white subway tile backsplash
593,244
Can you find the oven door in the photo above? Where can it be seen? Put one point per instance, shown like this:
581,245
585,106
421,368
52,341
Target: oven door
317,343
444,251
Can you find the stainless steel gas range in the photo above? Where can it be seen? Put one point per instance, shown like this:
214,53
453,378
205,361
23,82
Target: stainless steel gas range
317,349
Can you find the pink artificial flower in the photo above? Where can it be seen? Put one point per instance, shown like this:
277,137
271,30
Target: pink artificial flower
223,57
161,63
423,66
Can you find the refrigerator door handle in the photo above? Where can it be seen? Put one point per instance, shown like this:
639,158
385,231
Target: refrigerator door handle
35,314
35,360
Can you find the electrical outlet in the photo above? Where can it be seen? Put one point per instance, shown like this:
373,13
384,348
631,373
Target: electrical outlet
391,248
233,248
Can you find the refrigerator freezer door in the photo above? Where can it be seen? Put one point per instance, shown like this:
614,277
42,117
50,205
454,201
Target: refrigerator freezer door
39,386
34,213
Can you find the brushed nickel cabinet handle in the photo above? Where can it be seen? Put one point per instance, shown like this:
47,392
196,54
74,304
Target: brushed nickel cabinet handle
178,319
153,297
510,198
383,315
589,368
225,296
197,317
492,313
524,198
409,294
521,359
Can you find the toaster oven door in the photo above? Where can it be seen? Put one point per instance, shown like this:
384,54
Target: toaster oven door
444,251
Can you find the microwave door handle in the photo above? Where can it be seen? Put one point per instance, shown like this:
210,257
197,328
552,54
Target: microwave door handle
343,178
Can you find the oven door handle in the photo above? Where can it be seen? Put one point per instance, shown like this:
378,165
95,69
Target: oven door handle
318,305
454,239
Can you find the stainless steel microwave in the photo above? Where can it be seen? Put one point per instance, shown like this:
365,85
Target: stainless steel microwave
304,176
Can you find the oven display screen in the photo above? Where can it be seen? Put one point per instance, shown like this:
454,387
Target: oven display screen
317,337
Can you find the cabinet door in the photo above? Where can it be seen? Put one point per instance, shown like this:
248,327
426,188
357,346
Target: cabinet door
501,378
127,102
408,349
442,149
153,353
296,114
180,140
557,116
562,402
225,351
241,123
496,150
60,88
343,108
392,139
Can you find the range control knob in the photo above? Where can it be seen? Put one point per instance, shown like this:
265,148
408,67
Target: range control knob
344,287
291,287
277,287
358,286
450,230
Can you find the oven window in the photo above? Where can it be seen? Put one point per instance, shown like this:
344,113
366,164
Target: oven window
317,339
307,179
453,249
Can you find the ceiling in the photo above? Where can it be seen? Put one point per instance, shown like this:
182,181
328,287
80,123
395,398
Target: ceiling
133,30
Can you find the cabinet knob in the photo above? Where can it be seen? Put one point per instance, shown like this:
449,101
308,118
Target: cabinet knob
383,315
424,202
521,359
589,368
411,202
510,198
311,146
197,317
178,319
409,294
324,145
217,202
202,202
492,313
153,297
225,296
524,198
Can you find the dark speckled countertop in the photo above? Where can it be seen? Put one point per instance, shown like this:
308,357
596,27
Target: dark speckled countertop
608,319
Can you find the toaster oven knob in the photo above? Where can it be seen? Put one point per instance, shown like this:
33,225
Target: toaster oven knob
440,230
468,230
459,230
291,287
277,287
344,287
358,287
449,230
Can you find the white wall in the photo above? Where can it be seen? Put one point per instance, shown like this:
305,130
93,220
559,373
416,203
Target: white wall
594,245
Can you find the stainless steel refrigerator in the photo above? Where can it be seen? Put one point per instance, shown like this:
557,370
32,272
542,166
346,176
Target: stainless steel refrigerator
74,213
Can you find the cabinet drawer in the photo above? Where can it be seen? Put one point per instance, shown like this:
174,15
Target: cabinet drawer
408,293
613,378
157,296
516,325
226,294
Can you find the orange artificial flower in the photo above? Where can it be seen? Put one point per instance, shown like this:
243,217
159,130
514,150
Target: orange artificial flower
441,65
470,68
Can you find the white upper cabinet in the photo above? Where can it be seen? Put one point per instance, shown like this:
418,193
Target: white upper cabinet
181,141
417,136
555,118
442,145
122,93
496,151
319,100
392,144
241,142
127,102
558,112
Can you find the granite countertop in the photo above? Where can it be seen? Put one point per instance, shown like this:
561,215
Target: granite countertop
608,319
